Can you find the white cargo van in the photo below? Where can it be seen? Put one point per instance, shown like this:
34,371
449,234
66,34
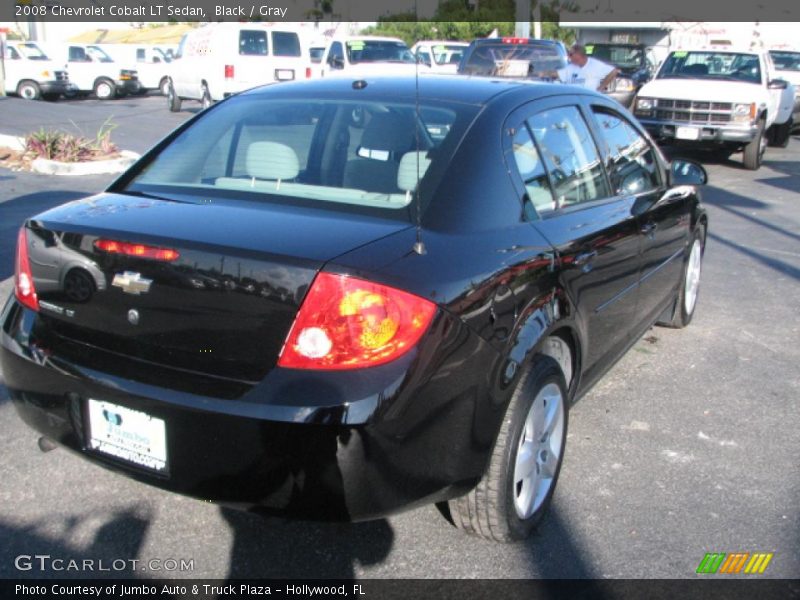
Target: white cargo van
149,61
91,69
31,75
366,56
441,56
221,59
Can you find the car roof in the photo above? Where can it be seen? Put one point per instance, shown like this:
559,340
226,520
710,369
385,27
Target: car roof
462,89
502,40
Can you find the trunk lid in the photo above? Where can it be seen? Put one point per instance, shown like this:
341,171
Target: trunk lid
222,308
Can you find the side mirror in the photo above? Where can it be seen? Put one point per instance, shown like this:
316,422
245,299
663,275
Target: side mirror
336,62
687,172
777,84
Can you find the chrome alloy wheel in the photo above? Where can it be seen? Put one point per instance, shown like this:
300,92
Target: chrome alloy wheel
541,446
692,277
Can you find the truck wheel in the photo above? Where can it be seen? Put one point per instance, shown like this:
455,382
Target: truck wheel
754,151
104,89
779,135
29,90
163,86
173,100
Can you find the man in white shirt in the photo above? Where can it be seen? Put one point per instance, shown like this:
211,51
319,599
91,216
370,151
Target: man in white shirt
586,71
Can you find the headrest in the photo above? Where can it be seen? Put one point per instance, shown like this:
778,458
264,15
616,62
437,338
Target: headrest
389,132
407,170
273,161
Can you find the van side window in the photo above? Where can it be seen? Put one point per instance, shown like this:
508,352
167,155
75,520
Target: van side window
12,54
77,54
285,43
632,165
253,43
570,156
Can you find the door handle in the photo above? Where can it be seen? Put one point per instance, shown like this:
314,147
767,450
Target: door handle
649,227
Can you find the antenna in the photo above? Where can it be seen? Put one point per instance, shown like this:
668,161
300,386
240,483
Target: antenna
419,246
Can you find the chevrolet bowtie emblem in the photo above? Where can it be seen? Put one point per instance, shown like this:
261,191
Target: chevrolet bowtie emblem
132,283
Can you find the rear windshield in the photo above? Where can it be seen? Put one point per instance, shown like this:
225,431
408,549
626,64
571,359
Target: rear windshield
504,59
622,56
328,153
364,51
786,61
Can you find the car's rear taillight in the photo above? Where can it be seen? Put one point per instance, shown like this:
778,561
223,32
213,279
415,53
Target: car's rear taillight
228,71
349,323
23,278
308,72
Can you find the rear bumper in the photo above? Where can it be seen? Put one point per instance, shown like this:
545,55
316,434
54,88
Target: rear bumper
334,446
130,86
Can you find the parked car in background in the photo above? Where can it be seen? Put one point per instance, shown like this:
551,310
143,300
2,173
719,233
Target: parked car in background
92,70
314,308
787,67
217,60
31,75
526,58
718,99
441,56
635,63
150,63
362,56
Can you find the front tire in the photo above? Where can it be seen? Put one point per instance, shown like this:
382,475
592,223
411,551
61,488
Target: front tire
163,86
517,488
29,90
754,151
686,299
105,89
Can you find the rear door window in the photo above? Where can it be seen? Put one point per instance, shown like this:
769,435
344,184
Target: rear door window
570,156
285,43
253,43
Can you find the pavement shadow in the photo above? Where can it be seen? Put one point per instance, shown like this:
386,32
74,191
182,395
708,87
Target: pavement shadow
15,211
30,553
776,264
269,547
731,202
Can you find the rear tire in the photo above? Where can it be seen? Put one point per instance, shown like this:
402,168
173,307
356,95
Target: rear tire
163,86
517,488
29,90
754,151
686,298
105,89
173,100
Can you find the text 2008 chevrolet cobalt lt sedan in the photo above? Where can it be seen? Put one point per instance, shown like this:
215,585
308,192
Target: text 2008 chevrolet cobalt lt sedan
337,299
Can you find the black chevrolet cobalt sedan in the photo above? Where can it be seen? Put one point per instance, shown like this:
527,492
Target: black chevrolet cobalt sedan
338,299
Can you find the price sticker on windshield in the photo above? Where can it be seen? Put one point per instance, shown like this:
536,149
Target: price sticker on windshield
589,49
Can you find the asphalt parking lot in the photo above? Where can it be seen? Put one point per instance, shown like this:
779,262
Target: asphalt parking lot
689,445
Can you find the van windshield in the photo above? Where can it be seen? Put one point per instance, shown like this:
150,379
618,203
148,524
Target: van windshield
32,52
98,54
370,156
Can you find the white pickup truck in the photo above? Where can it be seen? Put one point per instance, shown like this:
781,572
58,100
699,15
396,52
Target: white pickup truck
724,100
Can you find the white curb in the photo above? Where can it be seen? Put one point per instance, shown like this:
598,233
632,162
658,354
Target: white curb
54,167
92,167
